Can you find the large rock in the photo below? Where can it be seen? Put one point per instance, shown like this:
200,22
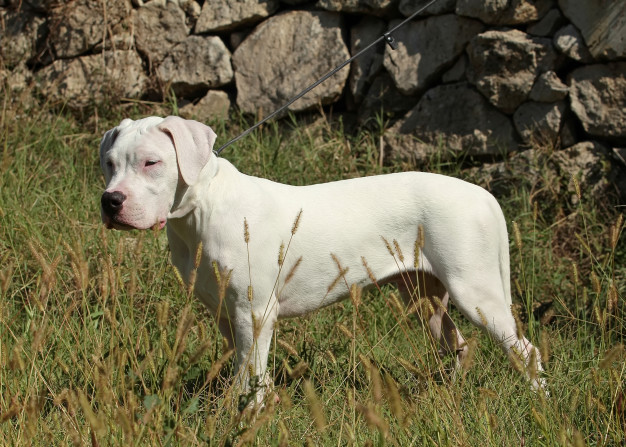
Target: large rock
375,7
86,80
159,27
598,176
21,34
366,67
598,98
76,27
505,64
426,48
602,25
285,54
538,123
226,15
195,65
450,118
503,12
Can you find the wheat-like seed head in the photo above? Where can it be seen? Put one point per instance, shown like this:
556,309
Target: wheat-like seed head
293,270
281,254
616,230
612,300
611,356
246,232
296,223
576,184
355,295
315,406
393,396
398,250
517,236
388,245
344,330
370,274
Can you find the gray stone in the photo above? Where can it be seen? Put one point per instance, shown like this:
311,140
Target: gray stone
598,98
285,54
77,27
21,34
92,79
505,64
453,118
547,26
538,123
548,88
366,67
226,15
569,41
214,105
408,7
426,48
195,65
592,165
503,12
158,28
602,25
374,7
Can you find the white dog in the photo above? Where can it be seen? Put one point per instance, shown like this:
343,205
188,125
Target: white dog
163,172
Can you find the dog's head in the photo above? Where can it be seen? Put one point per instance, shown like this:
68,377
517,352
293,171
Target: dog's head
144,163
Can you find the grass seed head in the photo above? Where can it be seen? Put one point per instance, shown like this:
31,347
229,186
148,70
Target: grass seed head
370,274
517,236
345,331
393,396
281,254
293,270
398,250
246,231
616,230
372,418
296,223
388,245
356,294
315,406
287,347
611,356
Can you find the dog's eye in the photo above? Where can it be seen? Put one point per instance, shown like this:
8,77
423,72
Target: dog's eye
151,162
109,164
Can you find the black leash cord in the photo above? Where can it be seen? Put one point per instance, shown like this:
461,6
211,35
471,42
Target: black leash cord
387,37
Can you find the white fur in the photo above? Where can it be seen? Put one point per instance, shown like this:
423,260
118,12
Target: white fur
205,199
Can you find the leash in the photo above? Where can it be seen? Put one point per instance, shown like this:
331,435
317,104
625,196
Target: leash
387,37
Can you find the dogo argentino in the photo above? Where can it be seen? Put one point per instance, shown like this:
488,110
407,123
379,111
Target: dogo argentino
162,172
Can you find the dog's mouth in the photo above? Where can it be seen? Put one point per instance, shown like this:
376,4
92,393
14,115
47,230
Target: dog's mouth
113,223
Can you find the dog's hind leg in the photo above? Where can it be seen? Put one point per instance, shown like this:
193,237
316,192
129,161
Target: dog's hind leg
431,298
486,307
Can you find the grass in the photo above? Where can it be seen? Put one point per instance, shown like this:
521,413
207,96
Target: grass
101,345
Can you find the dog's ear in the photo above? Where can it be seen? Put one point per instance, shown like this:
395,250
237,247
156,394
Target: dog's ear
109,139
193,142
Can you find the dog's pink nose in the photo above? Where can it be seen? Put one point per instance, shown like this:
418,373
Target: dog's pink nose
112,202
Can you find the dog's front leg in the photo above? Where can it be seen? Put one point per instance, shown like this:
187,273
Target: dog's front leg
253,338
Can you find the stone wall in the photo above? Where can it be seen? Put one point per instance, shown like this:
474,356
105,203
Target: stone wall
484,77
